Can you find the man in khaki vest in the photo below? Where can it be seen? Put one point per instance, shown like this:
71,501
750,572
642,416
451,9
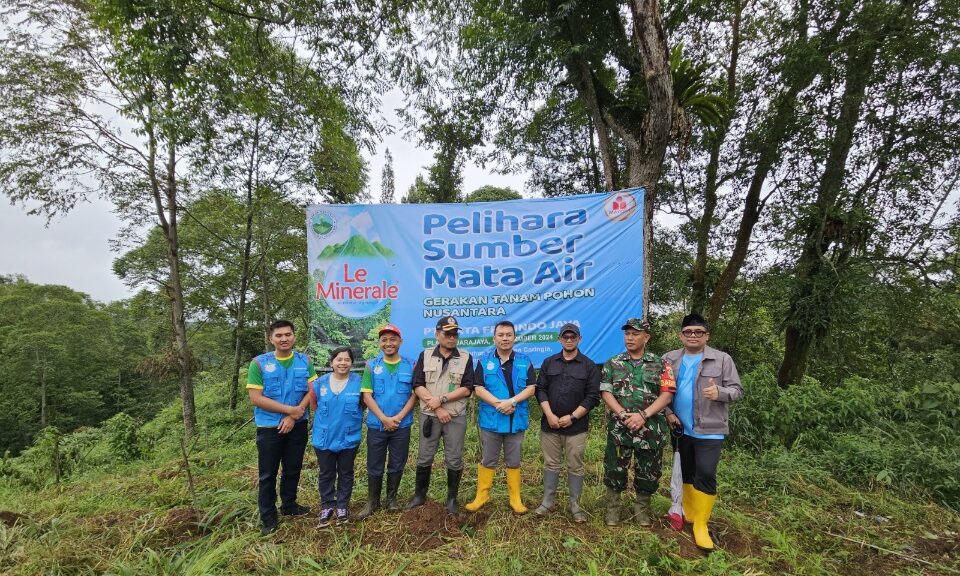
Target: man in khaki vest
442,380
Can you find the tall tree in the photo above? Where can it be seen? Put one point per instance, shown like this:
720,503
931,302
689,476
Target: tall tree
61,71
887,142
615,56
387,180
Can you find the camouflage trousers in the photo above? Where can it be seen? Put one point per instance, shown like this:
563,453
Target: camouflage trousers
647,468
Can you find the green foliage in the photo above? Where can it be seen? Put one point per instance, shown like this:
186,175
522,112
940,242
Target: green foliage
492,194
865,433
121,432
773,516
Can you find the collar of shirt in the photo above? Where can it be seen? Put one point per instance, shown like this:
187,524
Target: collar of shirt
578,358
454,354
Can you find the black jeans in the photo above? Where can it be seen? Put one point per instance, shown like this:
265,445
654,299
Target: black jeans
698,461
336,477
380,442
274,449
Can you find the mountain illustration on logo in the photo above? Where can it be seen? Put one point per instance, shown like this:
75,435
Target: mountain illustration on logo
356,246
322,223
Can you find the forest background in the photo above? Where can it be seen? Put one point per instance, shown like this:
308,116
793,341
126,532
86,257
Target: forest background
801,169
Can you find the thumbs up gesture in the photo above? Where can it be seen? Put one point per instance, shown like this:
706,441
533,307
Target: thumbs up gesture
711,391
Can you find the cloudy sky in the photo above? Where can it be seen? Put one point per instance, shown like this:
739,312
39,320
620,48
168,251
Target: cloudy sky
74,249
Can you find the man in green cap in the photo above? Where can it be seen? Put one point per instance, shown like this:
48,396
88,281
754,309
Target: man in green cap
635,386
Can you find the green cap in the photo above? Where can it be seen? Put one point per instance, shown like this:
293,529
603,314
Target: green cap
636,324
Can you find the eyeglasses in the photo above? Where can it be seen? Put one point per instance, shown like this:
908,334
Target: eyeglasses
693,333
569,337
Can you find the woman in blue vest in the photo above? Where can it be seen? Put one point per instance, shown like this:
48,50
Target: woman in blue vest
504,382
336,434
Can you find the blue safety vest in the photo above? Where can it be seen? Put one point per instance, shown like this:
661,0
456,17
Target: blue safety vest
336,425
285,385
391,391
496,383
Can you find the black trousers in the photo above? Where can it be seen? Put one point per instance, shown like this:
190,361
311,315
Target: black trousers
273,450
698,461
380,442
335,481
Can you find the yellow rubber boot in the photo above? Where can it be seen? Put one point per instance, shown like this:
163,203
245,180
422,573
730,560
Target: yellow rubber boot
484,482
704,507
689,504
513,487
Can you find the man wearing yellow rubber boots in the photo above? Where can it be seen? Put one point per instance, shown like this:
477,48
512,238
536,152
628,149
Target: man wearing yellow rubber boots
504,380
707,381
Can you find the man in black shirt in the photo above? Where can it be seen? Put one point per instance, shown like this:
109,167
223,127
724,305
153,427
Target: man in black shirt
568,387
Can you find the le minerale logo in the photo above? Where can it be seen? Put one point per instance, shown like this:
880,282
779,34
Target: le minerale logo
357,280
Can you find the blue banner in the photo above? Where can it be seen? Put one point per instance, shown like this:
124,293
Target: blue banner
538,263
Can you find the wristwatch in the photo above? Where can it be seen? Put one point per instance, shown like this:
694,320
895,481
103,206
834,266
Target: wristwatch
443,399
573,419
513,403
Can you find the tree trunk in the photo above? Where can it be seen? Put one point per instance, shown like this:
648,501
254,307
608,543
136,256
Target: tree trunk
774,136
647,154
184,356
824,228
166,193
240,323
265,296
44,415
698,297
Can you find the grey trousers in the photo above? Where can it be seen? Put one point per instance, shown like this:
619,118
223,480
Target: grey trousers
492,442
557,446
452,433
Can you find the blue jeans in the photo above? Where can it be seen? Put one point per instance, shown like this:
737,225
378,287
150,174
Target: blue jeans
274,449
336,477
379,443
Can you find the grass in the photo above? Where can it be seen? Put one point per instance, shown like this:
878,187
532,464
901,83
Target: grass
776,515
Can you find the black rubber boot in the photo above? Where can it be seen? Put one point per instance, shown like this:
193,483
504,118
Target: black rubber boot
374,487
393,485
421,487
453,486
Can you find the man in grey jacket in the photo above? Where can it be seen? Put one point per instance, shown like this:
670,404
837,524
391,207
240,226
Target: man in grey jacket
707,381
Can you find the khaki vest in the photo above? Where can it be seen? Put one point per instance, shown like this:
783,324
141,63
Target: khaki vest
444,383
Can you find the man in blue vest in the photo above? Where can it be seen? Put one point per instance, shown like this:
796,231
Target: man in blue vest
277,383
387,388
504,380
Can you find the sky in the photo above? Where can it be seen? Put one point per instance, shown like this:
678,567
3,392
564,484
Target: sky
74,249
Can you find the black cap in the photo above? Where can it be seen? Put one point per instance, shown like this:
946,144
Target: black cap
693,320
569,327
448,324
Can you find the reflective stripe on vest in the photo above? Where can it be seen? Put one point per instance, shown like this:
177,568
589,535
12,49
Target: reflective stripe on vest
285,385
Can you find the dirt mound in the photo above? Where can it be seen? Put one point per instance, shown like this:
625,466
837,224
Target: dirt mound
11,518
114,519
423,528
180,525
946,546
683,541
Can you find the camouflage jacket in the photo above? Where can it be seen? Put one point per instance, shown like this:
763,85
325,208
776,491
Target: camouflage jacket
635,384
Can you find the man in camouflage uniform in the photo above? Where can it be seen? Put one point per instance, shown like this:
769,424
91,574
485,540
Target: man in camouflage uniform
635,386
